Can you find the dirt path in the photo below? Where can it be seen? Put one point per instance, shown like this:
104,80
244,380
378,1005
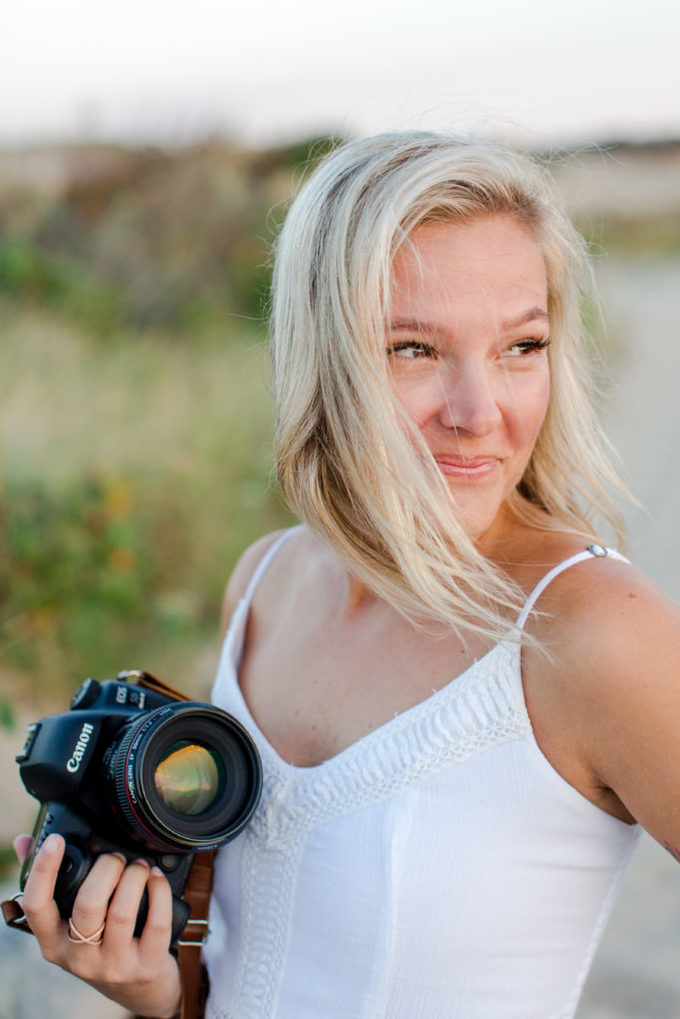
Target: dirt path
637,970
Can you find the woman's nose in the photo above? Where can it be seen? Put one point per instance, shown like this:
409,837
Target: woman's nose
469,401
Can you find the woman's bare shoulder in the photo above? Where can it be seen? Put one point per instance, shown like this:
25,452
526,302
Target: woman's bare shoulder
614,684
600,604
242,573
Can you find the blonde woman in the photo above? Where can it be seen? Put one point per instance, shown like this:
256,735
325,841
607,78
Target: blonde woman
465,702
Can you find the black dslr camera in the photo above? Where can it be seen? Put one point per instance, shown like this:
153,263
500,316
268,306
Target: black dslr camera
129,769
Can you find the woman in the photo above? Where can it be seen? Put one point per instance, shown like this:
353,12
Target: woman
464,702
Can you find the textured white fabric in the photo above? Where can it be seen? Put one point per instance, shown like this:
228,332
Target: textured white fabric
439,868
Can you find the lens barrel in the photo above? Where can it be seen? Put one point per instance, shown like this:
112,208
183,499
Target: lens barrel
187,777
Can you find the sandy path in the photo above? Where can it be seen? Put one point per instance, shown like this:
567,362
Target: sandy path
637,971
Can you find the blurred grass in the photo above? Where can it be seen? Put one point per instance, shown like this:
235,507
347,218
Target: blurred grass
133,474
135,422
653,235
144,238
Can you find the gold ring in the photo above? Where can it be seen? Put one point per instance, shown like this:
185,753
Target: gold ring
78,938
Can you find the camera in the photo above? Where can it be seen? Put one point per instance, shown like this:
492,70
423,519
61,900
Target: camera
130,769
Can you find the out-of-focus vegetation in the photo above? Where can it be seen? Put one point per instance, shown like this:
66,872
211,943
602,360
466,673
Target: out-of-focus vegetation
138,239
655,234
133,474
135,423
625,198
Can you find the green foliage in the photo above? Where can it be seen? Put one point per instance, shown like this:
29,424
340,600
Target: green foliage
96,575
36,277
656,234
6,713
8,861
74,560
147,239
133,475
25,272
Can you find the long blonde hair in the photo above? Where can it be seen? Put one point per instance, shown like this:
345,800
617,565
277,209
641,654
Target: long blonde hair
345,463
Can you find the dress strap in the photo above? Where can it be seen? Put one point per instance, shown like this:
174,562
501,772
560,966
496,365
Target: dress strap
264,562
592,552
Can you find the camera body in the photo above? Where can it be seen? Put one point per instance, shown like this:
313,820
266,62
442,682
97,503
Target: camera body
129,769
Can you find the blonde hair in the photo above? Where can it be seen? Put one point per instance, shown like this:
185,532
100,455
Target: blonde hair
347,467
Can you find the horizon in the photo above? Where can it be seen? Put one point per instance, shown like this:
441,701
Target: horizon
264,77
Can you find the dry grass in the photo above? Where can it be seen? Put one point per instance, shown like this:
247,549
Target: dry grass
134,472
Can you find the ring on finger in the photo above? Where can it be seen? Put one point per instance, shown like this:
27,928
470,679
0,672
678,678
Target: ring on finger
78,938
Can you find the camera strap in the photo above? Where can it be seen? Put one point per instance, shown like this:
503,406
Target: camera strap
150,682
193,975
13,914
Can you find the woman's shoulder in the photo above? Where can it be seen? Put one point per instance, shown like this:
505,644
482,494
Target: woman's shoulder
585,579
600,603
296,550
608,686
599,612
243,572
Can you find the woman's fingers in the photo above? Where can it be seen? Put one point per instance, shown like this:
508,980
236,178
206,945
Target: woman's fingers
22,844
92,901
124,906
38,903
140,974
158,927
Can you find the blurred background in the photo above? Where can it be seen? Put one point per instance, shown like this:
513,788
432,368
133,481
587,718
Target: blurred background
147,155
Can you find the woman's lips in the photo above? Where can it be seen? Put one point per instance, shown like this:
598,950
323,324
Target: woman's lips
466,466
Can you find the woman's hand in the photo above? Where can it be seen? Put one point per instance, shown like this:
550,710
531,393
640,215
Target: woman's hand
138,973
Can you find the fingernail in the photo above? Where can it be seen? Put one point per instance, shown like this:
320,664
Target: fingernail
157,872
53,843
120,856
141,861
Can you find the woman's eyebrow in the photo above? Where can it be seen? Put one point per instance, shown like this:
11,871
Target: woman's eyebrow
413,325
532,315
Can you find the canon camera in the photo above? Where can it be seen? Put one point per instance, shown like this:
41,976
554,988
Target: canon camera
128,769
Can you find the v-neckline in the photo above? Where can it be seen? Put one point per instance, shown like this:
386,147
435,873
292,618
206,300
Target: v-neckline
451,689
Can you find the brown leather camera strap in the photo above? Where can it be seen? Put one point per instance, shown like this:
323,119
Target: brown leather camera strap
150,682
193,975
13,914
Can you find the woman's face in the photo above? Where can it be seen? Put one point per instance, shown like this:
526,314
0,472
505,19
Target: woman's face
467,345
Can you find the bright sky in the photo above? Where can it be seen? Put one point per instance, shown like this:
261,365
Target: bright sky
161,70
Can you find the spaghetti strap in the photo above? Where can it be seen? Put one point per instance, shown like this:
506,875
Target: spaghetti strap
264,562
232,646
592,552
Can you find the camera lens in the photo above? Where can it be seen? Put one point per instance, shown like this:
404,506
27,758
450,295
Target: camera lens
186,776
187,779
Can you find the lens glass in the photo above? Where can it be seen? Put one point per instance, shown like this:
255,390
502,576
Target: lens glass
187,777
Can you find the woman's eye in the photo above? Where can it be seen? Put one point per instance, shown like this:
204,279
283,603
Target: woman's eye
410,350
525,347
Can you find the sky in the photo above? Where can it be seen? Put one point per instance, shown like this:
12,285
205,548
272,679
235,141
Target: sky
268,72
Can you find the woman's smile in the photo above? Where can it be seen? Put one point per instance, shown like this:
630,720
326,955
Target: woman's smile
466,466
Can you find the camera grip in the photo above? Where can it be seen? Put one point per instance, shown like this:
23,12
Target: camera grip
180,915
